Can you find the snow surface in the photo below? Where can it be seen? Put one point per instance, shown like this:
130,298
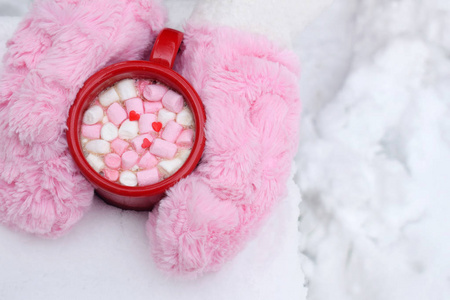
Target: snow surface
373,166
374,161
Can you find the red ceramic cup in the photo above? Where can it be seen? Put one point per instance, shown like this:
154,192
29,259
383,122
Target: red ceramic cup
158,68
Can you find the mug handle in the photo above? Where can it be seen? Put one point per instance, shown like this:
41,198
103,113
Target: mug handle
166,47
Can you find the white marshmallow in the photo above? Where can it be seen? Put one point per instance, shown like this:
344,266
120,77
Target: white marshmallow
171,166
128,130
108,97
126,89
109,132
98,146
184,154
84,140
128,178
105,120
165,116
93,115
134,168
95,162
185,117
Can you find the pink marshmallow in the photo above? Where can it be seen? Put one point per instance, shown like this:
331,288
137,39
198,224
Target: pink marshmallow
148,177
129,159
171,131
147,161
112,161
91,131
186,138
119,146
163,149
145,123
154,92
111,175
151,107
116,114
134,104
173,101
137,142
142,83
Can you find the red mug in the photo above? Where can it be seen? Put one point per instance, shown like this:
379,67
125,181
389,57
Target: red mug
159,68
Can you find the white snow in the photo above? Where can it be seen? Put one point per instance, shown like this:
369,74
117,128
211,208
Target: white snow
373,166
374,159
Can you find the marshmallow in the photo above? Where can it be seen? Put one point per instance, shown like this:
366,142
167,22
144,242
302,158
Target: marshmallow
141,84
145,123
105,120
173,101
84,141
112,160
108,97
111,175
185,117
151,107
134,168
186,138
119,146
93,115
148,177
95,162
138,142
116,114
126,89
154,92
128,130
129,159
109,132
171,166
128,178
134,104
147,161
163,149
91,131
184,154
98,146
171,131
165,116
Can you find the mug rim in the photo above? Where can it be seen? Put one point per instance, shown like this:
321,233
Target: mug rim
166,76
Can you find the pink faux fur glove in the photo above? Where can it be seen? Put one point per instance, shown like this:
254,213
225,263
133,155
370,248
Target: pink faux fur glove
56,48
249,87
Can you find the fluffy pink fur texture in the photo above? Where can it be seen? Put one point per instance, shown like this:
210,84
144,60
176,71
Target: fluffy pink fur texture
250,91
58,45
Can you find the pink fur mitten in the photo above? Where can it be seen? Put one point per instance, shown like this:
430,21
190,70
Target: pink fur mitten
249,87
57,46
